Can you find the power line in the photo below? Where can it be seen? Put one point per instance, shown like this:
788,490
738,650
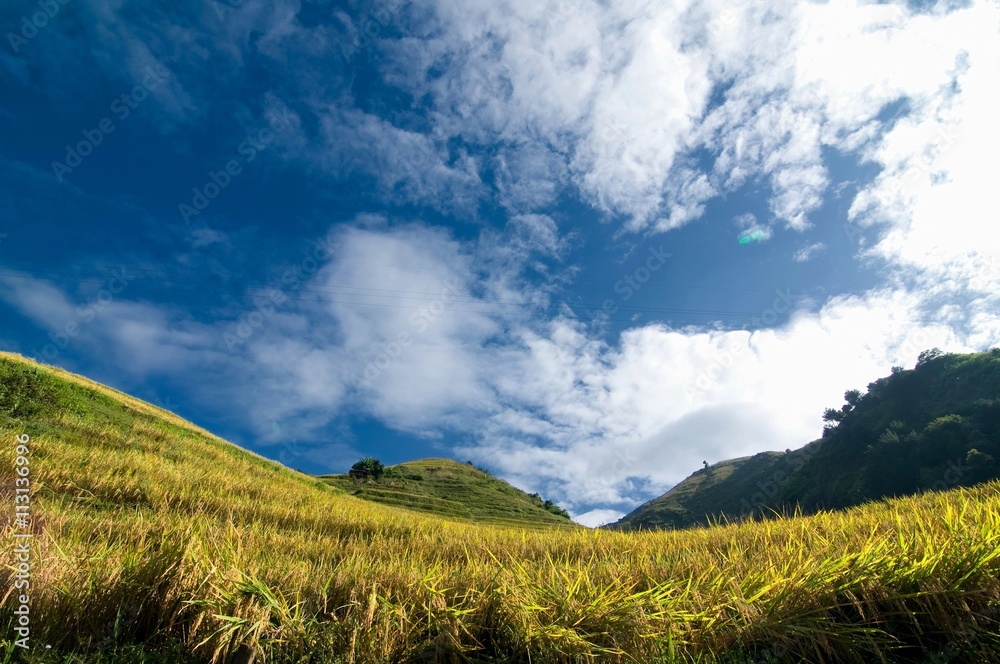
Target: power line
208,273
384,293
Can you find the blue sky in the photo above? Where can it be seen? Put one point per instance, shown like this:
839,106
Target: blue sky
587,245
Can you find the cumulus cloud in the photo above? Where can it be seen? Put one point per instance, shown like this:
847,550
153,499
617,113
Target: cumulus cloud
624,95
606,426
598,517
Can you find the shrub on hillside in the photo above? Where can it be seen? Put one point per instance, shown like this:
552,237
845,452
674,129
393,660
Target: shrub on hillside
367,468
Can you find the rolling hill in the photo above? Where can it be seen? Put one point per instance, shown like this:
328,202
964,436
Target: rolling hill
151,540
448,488
933,427
723,489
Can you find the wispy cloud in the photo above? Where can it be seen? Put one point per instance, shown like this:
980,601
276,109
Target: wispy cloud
806,253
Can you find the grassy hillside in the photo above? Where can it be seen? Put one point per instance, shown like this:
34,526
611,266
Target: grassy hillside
728,488
156,541
449,488
934,427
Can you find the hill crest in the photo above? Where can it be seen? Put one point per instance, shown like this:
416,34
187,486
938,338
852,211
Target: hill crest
451,488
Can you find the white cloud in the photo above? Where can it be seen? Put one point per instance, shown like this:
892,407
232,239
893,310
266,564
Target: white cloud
529,178
807,252
598,517
409,166
40,301
620,94
605,426
142,338
935,194
204,237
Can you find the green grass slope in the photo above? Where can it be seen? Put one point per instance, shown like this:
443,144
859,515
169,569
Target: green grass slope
448,488
155,541
933,427
725,488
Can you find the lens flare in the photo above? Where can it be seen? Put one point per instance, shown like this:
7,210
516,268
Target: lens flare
756,235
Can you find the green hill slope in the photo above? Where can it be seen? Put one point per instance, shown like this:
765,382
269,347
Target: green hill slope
448,488
726,488
934,427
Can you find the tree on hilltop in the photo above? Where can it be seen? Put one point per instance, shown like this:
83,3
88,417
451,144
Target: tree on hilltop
928,355
367,468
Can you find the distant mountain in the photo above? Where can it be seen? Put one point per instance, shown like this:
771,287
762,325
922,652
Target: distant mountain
448,488
933,427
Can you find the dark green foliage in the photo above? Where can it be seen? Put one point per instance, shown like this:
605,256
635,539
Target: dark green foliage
931,428
912,431
928,355
832,415
24,391
548,505
852,397
367,468
555,509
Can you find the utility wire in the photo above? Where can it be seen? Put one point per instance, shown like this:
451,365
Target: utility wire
383,293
